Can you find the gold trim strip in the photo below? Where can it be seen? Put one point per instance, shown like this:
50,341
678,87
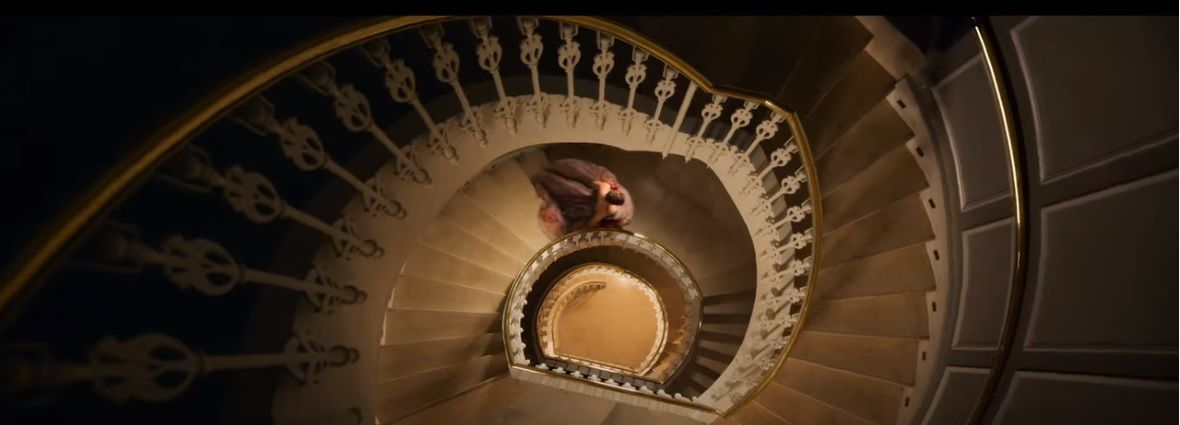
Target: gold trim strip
1013,144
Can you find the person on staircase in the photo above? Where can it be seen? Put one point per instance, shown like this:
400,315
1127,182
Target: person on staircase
577,194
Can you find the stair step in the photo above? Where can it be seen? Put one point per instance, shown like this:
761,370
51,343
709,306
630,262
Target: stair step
863,85
906,269
525,202
719,337
625,414
732,318
504,203
403,359
875,400
892,359
898,315
405,396
757,414
727,298
899,224
891,177
446,236
799,408
540,404
422,325
836,42
441,266
416,293
877,132
711,354
740,278
467,214
470,407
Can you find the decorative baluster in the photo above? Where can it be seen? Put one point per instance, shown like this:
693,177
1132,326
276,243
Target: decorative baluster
490,53
446,69
684,104
765,130
795,214
665,88
352,107
207,267
636,73
788,185
779,158
775,303
158,367
709,113
795,241
794,268
740,119
403,88
531,49
254,196
568,56
304,148
604,62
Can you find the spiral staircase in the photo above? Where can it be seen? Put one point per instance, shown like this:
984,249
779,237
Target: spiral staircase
359,217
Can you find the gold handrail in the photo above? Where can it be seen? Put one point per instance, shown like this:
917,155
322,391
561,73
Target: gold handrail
1013,144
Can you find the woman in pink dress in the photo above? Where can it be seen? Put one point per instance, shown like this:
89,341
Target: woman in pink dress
577,194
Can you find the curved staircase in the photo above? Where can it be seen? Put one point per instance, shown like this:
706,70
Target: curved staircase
433,352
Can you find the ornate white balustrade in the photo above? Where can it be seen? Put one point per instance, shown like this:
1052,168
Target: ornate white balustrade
755,148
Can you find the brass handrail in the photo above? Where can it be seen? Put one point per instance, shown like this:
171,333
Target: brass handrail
1017,174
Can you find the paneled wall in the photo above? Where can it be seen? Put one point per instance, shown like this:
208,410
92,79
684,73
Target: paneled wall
1096,100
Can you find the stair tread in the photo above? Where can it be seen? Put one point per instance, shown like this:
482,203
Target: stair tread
411,292
796,407
484,401
498,201
822,64
446,236
899,315
420,325
404,396
441,266
902,223
400,360
906,269
877,132
890,178
875,400
893,359
757,414
469,215
863,85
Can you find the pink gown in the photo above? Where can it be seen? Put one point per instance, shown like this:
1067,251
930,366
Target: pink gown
568,198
